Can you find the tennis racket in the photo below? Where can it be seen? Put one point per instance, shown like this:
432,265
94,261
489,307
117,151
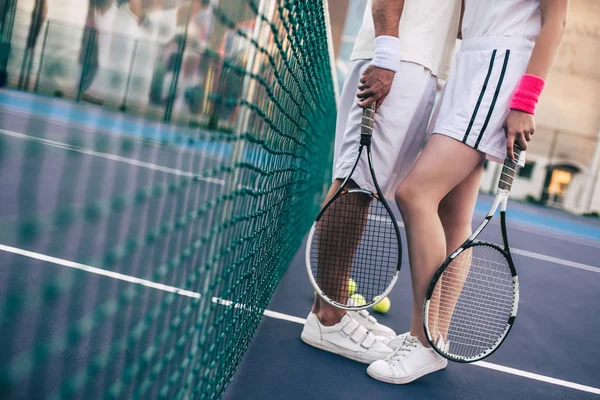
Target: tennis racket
472,301
354,253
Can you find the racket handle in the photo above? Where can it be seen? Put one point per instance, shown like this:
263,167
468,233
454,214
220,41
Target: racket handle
366,127
509,169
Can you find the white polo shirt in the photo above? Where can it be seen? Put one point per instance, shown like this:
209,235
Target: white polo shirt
428,30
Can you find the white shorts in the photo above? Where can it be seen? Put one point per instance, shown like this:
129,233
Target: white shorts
399,132
475,102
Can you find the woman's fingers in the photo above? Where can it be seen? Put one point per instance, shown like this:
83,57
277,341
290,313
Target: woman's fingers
518,128
510,142
522,141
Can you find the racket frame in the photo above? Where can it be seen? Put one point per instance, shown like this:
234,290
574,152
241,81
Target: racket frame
501,200
366,134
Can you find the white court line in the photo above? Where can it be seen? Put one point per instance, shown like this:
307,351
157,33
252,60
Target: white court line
268,313
555,260
86,128
537,377
110,132
538,230
584,241
285,317
111,157
98,271
530,254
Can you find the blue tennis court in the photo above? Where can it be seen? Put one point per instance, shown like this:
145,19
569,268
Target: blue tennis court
551,353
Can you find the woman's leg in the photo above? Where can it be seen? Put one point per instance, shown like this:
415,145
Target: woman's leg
456,214
456,210
444,163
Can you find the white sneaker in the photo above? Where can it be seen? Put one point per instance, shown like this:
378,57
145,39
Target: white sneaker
370,322
348,338
409,362
393,342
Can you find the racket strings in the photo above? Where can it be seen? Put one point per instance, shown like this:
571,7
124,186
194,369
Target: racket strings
354,238
471,302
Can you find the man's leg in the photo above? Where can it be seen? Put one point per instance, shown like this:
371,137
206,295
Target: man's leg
344,252
332,329
442,166
394,139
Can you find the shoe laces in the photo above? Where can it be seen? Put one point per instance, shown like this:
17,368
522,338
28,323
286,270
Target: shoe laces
407,346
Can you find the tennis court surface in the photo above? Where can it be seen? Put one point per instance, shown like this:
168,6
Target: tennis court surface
131,322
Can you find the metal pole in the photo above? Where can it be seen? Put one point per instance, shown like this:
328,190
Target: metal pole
88,52
39,72
124,102
32,36
24,63
10,10
178,63
29,68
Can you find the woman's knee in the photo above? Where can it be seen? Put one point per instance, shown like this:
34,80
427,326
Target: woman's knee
454,220
411,196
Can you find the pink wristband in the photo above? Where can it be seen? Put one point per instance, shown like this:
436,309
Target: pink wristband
527,93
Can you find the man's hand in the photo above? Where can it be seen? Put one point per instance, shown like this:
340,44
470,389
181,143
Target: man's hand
519,127
375,84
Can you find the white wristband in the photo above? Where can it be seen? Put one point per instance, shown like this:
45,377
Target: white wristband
387,53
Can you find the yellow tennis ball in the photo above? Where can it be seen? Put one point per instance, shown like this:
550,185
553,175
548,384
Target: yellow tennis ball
358,299
351,286
383,306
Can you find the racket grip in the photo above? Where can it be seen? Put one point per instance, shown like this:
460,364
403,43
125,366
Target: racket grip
507,176
368,120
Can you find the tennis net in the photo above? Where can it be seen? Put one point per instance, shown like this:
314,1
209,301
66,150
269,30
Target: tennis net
137,256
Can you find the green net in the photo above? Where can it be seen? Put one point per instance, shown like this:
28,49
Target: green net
137,257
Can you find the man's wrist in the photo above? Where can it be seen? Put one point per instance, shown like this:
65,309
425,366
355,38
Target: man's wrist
387,53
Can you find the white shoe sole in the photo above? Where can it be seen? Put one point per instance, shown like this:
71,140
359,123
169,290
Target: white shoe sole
436,366
352,355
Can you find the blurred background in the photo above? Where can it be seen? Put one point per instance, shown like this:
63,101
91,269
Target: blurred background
160,58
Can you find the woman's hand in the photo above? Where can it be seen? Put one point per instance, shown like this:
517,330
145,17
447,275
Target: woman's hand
375,84
519,127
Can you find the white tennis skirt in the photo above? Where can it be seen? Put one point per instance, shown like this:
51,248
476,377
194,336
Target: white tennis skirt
399,132
475,102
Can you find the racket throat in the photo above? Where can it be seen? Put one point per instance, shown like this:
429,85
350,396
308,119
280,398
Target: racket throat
365,140
501,200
